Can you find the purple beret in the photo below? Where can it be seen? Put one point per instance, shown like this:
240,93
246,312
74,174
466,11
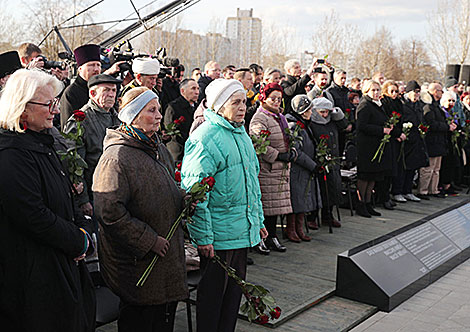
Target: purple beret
87,53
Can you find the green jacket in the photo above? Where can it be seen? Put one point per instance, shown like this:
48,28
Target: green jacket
232,216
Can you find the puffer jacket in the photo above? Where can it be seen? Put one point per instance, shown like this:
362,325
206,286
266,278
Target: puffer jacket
232,215
274,175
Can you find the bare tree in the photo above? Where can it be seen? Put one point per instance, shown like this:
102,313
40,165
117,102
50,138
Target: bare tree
10,31
278,44
46,14
448,33
337,40
415,62
377,53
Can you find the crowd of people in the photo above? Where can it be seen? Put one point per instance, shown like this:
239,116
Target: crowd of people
273,140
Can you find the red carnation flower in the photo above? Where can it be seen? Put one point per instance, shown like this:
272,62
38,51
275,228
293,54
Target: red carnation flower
178,166
348,110
178,176
79,115
300,124
423,128
467,121
209,181
180,120
275,313
398,115
263,319
324,136
265,133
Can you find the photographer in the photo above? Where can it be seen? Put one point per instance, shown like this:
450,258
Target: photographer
146,72
171,83
31,57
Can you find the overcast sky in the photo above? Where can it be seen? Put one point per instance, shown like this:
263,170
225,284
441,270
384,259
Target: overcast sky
404,17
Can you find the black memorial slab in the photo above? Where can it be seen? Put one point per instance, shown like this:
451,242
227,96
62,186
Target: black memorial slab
388,270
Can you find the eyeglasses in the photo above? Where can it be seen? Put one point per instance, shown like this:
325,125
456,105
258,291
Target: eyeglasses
53,104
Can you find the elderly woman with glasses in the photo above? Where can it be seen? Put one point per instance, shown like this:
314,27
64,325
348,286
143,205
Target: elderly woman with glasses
275,166
44,283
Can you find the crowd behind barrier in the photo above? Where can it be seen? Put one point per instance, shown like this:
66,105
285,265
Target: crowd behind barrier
127,152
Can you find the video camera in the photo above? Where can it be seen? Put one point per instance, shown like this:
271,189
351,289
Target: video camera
168,66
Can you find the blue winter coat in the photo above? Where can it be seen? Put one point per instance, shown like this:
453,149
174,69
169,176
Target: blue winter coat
232,216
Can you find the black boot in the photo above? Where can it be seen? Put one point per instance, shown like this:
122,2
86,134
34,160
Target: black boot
371,210
274,244
262,249
388,205
362,210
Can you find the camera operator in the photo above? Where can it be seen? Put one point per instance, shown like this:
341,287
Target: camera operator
31,57
171,83
76,94
146,72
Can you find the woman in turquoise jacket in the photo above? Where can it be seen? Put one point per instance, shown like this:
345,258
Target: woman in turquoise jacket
231,219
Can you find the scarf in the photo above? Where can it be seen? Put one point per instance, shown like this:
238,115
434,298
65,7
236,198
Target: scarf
133,132
281,119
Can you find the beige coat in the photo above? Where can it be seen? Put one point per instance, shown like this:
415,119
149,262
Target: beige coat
274,174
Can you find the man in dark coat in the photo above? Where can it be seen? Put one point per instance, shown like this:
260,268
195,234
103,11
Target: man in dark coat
42,288
76,94
183,106
9,63
100,115
294,84
436,142
211,72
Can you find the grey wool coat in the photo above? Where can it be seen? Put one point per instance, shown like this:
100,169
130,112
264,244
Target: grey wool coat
304,187
136,199
274,174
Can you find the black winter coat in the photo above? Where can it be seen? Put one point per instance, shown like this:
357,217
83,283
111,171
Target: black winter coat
391,105
42,288
203,82
340,96
416,155
73,98
293,86
304,188
371,120
170,92
177,108
436,138
331,126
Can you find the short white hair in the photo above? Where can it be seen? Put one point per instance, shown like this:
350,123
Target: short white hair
22,87
290,64
446,95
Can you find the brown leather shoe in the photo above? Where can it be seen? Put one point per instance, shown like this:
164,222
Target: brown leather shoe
312,225
334,223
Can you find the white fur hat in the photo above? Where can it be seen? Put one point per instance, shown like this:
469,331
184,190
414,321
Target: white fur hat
146,66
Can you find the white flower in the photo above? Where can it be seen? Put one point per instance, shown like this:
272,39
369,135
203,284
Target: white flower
407,125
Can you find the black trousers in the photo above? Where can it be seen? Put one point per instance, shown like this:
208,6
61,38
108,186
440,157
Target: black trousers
146,318
218,296
402,183
382,190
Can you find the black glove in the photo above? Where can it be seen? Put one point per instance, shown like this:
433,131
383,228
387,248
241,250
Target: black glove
287,156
